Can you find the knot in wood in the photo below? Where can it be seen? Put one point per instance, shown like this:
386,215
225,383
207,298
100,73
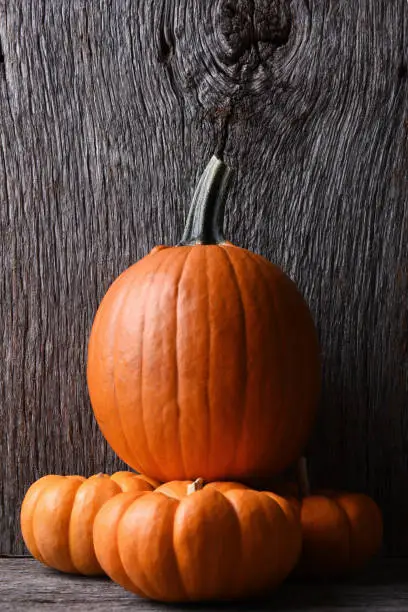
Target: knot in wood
242,24
272,22
226,50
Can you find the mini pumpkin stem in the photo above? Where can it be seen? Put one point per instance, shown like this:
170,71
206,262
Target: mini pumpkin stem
206,216
197,485
303,477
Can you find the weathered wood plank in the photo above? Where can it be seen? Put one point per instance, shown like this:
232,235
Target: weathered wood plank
109,112
86,138
26,585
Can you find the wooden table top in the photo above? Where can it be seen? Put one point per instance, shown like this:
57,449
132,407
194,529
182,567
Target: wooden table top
27,585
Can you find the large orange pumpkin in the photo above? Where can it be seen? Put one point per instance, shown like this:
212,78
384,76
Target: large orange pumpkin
222,542
203,358
57,517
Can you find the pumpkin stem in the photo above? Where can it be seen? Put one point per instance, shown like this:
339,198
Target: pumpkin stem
197,485
303,477
206,216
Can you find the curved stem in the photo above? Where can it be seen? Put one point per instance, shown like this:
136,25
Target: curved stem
197,485
303,477
206,216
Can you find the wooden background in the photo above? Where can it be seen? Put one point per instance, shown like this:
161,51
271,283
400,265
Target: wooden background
109,112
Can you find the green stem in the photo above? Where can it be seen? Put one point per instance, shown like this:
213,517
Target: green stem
206,216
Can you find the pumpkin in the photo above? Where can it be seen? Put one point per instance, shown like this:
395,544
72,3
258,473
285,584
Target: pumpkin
57,517
217,542
203,358
341,531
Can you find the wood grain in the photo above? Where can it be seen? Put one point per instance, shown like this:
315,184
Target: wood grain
27,585
109,112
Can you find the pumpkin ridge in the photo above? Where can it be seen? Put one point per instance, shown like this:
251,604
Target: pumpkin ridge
124,510
260,262
175,556
240,538
286,570
239,522
69,532
183,268
349,530
98,318
143,419
268,511
275,318
128,509
198,508
259,265
142,412
297,422
207,390
115,403
244,348
69,529
153,509
38,554
69,539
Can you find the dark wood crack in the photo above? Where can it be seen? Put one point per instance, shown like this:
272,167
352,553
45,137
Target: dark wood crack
167,37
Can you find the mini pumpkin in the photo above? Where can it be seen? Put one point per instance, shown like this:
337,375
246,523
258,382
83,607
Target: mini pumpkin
341,531
57,517
224,541
203,358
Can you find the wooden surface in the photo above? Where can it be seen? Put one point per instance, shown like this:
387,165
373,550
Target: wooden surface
27,585
109,112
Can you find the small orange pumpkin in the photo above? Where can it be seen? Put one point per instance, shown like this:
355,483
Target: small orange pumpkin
341,531
57,517
203,359
222,541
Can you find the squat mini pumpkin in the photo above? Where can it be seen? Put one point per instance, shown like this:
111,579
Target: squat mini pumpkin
203,358
224,541
341,531
57,517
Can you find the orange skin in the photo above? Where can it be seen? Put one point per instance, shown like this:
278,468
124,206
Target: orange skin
204,361
211,544
179,488
341,532
57,517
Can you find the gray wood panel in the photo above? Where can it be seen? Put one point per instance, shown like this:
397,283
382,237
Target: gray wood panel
108,113
27,585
